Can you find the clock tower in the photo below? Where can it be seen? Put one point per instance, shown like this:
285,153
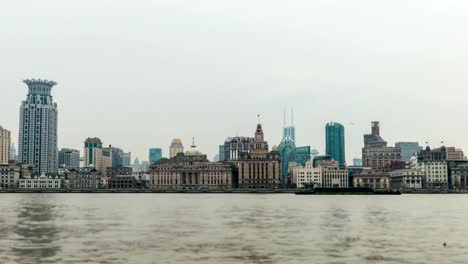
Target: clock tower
260,147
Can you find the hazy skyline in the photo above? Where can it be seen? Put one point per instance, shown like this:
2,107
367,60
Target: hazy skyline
137,75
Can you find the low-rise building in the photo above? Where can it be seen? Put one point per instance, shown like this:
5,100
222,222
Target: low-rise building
40,182
104,182
306,175
407,179
84,179
373,180
460,176
334,177
9,176
122,182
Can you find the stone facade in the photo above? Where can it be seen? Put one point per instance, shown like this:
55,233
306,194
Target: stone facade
84,179
122,182
40,182
376,154
302,175
259,169
9,176
334,176
191,170
407,179
372,180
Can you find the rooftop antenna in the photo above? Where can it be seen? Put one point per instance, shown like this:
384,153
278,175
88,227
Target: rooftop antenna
258,116
193,142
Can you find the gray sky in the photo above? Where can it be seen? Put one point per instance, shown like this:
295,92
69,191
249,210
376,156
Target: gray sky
139,73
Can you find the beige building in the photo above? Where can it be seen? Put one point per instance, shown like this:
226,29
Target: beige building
302,175
407,179
259,169
41,182
335,177
191,170
5,143
96,156
175,148
375,153
373,180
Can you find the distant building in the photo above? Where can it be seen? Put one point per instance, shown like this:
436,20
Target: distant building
434,167
116,171
307,174
5,143
13,155
460,176
357,162
9,176
233,146
259,169
40,182
122,182
69,158
289,130
455,153
190,170
335,142
408,149
324,160
287,154
407,179
96,156
117,157
176,147
221,153
302,155
127,159
84,179
373,180
38,127
375,153
155,154
334,177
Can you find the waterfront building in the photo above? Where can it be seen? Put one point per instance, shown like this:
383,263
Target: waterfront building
122,182
233,146
357,162
408,149
373,180
13,155
375,153
433,165
83,179
69,158
121,170
335,142
259,168
459,176
334,176
38,127
176,147
104,182
9,175
287,155
40,182
407,179
96,156
191,170
155,154
306,175
5,143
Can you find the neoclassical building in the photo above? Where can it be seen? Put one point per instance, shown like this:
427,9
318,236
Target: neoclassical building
190,170
259,168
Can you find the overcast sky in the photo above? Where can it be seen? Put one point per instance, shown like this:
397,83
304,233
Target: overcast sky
139,73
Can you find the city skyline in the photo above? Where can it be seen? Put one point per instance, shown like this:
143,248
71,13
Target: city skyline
152,87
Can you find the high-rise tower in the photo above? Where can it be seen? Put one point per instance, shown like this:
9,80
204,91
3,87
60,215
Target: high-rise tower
335,142
38,127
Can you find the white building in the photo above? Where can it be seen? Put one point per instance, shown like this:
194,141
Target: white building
41,182
307,175
407,179
335,177
435,173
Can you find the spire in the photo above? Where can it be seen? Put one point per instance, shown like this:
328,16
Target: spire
292,117
193,143
258,116
284,119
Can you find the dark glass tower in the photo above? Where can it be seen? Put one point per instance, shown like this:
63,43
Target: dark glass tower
335,142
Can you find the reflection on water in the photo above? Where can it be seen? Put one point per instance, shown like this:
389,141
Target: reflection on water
184,228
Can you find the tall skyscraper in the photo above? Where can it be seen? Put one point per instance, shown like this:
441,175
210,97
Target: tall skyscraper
38,127
176,147
5,142
69,158
335,142
155,154
287,154
117,157
289,131
127,159
408,149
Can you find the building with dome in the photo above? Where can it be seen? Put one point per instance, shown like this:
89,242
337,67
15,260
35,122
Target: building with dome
191,170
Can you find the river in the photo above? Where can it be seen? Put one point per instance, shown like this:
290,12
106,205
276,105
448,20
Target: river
232,228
